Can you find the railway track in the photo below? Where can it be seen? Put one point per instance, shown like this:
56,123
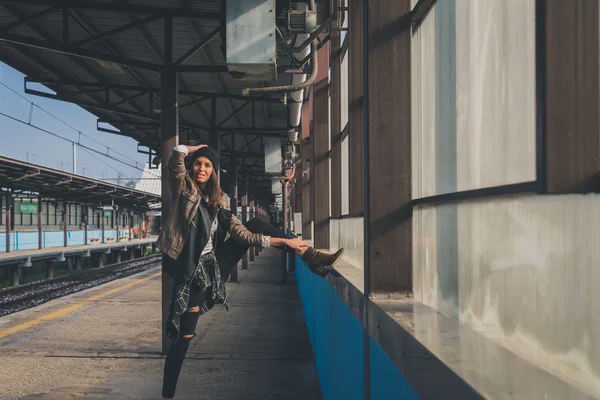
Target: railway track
32,294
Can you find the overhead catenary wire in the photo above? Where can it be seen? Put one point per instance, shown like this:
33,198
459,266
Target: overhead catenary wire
103,162
134,163
33,104
69,140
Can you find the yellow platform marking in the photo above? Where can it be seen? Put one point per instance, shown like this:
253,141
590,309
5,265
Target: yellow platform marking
63,311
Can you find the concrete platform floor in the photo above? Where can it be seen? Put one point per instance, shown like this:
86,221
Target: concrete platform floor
104,343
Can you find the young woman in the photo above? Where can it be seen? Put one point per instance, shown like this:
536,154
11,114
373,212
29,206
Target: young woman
202,241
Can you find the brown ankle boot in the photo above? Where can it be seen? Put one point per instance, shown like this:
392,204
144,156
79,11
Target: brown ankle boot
318,261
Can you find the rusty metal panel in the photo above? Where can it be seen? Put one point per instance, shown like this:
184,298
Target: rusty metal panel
320,140
573,94
355,106
388,221
306,175
336,127
345,177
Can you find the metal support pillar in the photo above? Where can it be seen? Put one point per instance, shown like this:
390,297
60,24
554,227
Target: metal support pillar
285,229
130,225
40,221
255,189
102,218
101,260
85,223
8,219
251,214
49,270
233,195
355,110
286,222
65,223
305,178
257,215
118,256
116,218
170,139
387,147
320,140
568,96
15,274
336,121
244,202
214,141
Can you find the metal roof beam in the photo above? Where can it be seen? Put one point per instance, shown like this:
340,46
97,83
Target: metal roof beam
29,18
103,107
197,47
233,96
114,31
162,56
247,154
77,52
210,69
197,33
255,131
237,110
121,7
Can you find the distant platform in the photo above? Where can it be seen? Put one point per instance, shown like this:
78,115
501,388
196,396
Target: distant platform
19,256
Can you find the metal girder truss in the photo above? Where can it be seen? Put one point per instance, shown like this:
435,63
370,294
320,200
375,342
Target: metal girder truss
155,121
78,49
122,7
133,120
109,86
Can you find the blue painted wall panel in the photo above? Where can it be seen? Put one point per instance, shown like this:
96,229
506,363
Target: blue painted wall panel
336,335
29,240
386,381
338,344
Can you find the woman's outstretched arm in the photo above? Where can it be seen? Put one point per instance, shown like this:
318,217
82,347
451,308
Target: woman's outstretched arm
242,235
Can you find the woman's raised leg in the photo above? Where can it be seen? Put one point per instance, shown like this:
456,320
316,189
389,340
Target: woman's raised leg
232,252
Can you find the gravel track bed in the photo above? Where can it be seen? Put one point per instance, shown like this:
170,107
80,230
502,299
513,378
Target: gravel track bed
19,298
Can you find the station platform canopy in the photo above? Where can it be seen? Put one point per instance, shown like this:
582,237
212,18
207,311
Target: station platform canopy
27,177
109,56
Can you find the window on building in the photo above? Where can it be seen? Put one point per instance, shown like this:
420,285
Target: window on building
473,96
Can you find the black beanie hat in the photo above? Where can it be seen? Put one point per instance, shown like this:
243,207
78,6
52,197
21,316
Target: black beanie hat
209,153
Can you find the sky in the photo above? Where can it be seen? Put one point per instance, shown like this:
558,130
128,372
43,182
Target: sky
23,142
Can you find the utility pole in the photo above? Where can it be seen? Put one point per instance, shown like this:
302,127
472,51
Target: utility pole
74,158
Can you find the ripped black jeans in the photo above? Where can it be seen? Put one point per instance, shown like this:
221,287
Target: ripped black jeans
233,254
179,348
